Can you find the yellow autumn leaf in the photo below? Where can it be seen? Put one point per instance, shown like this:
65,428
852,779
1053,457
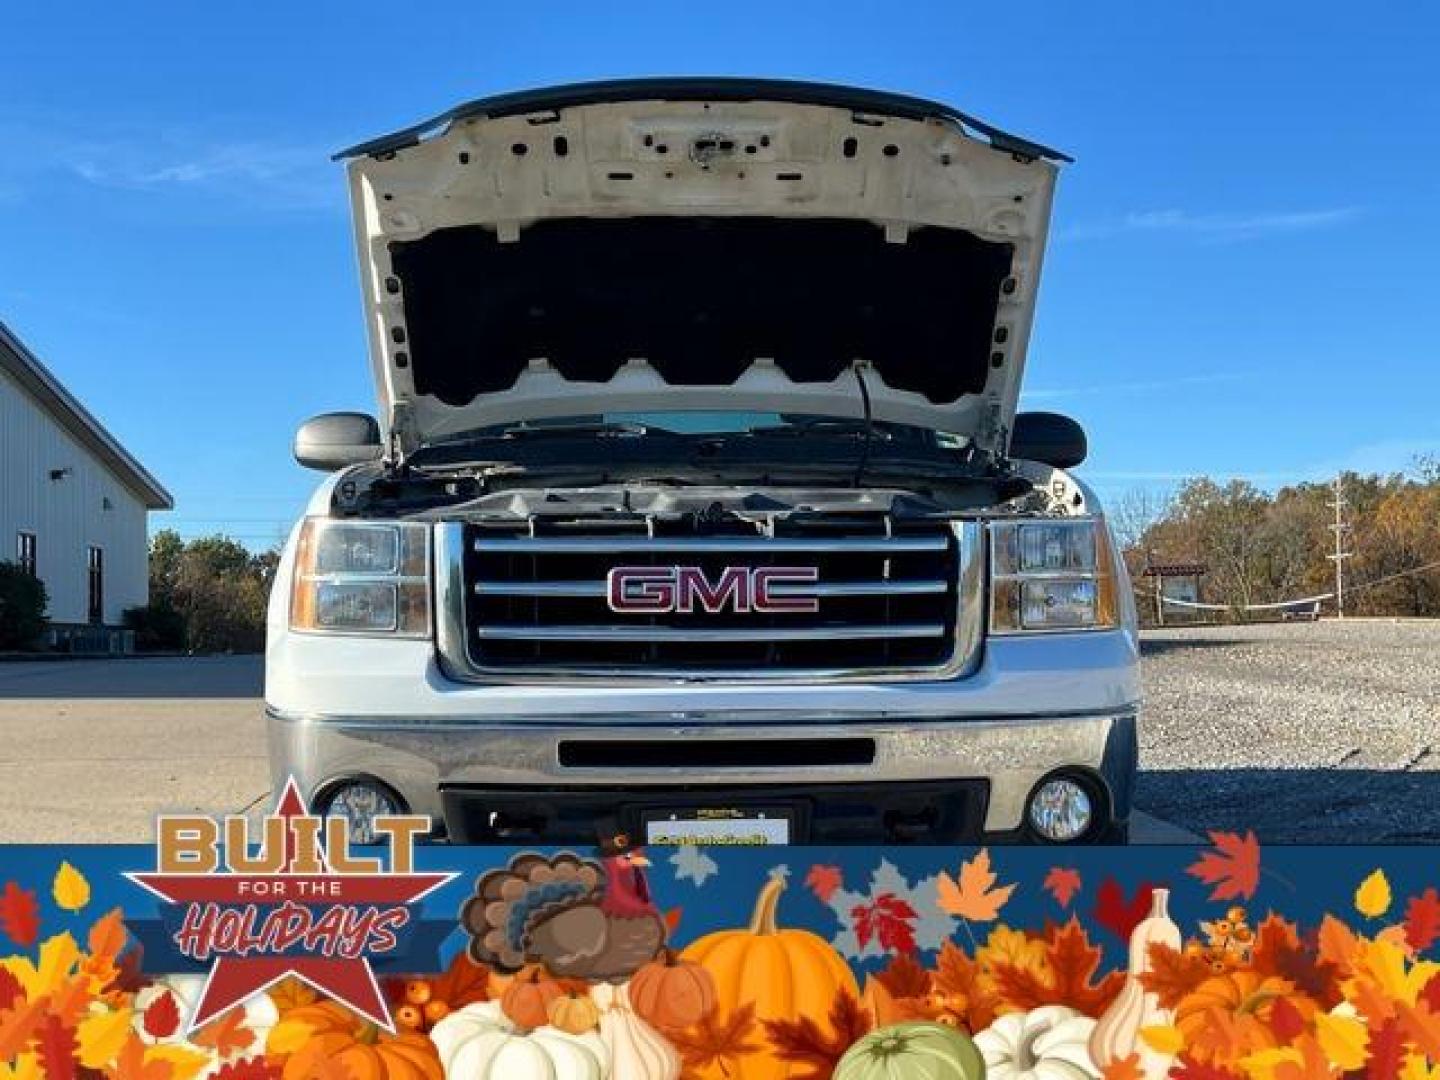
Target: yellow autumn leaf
1384,964
101,1036
71,890
185,1063
1163,1039
1263,1064
288,1036
1372,898
25,1067
1415,1068
1343,1039
58,957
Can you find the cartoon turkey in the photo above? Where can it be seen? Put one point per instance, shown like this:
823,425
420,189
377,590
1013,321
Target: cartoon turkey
580,918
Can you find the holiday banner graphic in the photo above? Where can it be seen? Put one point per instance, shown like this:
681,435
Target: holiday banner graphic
1222,961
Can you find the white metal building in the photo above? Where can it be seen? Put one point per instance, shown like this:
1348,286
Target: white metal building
73,502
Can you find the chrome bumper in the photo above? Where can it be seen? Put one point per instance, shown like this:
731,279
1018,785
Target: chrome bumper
417,756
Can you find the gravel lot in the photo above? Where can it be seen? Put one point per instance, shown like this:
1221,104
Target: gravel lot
1306,732
1310,732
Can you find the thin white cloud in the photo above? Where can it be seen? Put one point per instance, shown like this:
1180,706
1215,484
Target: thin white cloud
279,175
1214,228
1145,386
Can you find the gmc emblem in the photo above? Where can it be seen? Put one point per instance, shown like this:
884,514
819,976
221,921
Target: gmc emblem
659,590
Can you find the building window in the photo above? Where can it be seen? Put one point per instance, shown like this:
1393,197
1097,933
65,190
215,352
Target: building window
96,563
25,552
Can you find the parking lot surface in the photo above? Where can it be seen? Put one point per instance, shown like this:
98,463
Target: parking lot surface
1323,732
1306,732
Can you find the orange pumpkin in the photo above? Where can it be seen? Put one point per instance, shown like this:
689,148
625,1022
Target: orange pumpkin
526,1001
573,1013
326,1033
672,993
785,974
1246,998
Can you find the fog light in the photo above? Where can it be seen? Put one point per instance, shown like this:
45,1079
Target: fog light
1061,810
360,803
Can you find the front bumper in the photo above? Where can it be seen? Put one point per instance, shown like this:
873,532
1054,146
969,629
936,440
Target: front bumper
979,770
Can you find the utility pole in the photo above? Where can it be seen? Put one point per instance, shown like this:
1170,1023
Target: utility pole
1339,529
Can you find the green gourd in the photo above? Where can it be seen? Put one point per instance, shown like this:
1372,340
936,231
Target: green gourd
918,1050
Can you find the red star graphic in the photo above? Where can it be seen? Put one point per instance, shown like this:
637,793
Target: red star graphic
351,982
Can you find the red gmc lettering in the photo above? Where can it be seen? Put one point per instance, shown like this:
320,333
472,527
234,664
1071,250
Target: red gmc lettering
654,590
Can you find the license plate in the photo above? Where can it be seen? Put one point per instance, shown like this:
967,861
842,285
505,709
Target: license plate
747,827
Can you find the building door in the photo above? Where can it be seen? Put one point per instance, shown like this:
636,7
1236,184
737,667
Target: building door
96,563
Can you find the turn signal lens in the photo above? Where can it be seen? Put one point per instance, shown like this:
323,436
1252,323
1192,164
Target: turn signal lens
361,578
1052,575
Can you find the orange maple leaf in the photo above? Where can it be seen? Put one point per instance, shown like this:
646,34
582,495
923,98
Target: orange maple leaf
974,896
1062,883
17,1025
1173,974
1422,1026
1069,979
1126,1068
1233,867
227,1035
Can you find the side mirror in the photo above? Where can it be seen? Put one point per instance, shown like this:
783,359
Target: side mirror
1049,438
334,440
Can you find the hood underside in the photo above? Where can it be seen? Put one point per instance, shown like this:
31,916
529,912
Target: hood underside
695,248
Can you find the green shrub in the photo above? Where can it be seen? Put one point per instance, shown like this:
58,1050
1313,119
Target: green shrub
158,627
22,607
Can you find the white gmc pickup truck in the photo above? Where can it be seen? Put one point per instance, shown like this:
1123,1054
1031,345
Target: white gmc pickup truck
698,497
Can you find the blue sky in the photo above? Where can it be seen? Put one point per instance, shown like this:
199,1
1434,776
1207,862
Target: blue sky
1242,280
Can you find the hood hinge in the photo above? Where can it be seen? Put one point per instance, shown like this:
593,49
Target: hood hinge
404,438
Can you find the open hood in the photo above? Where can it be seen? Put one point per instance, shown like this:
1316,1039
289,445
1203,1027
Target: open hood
700,244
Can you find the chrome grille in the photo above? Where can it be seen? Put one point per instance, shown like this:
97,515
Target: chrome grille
891,600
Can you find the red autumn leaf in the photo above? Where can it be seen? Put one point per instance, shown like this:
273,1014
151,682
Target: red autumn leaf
887,920
56,1048
905,977
254,1068
824,881
1280,951
804,1042
1387,1051
1430,995
672,919
1286,1020
10,989
1233,867
129,979
464,983
1422,920
1062,883
1118,915
19,915
162,1018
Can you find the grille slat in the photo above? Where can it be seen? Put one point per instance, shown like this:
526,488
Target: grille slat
754,545
879,587
719,634
887,598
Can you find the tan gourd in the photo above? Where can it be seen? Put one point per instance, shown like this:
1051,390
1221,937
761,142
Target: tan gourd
637,1050
1117,1035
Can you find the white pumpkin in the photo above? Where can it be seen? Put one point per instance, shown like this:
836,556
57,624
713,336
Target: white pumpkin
479,1042
260,1016
637,1050
1048,1043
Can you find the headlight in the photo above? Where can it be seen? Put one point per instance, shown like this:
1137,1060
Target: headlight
1052,575
354,578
